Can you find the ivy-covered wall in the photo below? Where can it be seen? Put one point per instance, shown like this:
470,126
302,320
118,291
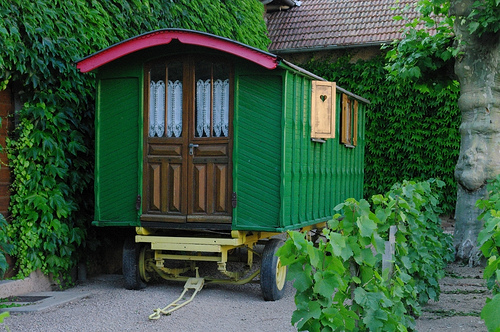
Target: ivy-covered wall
51,150
411,129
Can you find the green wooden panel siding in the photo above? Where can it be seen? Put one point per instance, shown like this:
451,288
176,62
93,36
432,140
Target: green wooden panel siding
349,165
257,152
317,176
117,145
306,193
282,179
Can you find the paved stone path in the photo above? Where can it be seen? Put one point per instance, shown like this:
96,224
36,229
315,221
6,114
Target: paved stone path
463,295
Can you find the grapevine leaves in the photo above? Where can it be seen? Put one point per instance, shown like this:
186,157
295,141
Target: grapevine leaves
489,242
338,280
491,314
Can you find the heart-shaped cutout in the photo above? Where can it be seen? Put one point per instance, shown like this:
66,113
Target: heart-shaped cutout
323,97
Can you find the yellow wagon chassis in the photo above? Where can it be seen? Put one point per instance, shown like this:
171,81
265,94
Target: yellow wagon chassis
154,254
197,249
157,249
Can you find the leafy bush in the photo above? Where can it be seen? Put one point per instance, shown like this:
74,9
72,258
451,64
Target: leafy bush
422,247
52,148
489,242
339,282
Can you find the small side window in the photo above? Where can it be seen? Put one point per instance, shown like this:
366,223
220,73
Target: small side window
349,127
323,110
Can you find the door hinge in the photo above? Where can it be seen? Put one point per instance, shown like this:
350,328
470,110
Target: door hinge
234,199
138,203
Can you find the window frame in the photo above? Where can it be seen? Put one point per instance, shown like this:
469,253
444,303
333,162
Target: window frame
349,122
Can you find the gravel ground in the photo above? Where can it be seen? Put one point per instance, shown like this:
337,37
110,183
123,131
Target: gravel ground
231,308
216,308
110,307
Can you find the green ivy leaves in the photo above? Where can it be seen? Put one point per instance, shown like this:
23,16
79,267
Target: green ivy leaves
5,246
40,198
412,130
51,151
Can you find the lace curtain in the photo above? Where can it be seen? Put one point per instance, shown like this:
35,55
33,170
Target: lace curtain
174,113
220,119
157,109
203,108
220,108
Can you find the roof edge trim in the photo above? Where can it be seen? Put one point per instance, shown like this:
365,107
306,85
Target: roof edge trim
188,37
319,78
327,48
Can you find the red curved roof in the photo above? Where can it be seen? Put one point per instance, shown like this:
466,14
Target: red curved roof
189,37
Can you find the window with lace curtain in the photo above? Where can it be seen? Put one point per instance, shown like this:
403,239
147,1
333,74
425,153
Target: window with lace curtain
211,99
165,100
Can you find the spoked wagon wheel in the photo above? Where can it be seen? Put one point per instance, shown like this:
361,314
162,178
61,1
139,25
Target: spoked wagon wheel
272,273
145,255
131,265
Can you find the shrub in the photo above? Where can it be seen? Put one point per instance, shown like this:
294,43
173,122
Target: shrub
339,282
489,242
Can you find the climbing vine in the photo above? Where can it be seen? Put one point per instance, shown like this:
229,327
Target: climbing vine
5,246
411,129
51,150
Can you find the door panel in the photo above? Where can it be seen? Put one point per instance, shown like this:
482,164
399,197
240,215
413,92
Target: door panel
188,171
210,181
173,188
220,194
199,189
164,179
167,150
155,193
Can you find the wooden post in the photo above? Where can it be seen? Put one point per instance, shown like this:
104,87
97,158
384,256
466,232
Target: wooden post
388,256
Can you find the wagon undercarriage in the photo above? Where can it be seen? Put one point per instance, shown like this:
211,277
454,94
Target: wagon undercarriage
180,257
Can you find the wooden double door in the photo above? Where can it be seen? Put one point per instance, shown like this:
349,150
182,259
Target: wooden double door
188,141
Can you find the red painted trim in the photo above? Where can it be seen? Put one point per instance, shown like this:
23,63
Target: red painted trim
189,37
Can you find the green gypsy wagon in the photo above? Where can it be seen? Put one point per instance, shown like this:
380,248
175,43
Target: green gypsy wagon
207,146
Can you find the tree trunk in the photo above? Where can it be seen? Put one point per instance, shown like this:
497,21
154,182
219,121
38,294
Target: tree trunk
479,160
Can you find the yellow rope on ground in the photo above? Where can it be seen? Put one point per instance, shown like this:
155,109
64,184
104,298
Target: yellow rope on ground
192,283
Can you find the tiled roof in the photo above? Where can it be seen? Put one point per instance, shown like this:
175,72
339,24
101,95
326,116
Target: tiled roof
325,24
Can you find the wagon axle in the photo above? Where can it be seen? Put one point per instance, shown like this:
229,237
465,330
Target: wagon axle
173,257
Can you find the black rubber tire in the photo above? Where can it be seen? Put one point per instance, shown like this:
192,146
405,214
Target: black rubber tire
272,274
131,265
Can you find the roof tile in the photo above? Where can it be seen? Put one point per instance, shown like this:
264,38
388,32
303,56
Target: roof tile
321,23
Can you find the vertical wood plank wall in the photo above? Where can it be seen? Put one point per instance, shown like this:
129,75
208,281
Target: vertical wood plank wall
312,177
257,151
316,176
117,143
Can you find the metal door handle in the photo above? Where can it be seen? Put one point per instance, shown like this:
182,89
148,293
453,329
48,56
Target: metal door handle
191,147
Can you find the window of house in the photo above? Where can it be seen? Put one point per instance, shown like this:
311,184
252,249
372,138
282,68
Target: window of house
349,126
